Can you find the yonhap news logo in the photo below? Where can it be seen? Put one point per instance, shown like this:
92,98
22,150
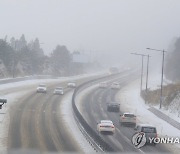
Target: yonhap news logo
139,140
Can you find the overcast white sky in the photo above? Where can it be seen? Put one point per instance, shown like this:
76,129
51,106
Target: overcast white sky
109,26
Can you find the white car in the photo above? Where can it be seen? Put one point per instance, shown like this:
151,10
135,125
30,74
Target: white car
71,84
128,119
58,91
41,88
115,85
103,85
106,126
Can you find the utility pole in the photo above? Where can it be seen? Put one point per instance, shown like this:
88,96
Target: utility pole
162,75
142,67
147,73
15,48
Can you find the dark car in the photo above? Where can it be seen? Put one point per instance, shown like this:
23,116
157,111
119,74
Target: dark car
150,131
113,107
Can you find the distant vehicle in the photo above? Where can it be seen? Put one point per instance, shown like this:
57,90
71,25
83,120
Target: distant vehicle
128,119
2,102
113,70
41,88
58,91
103,85
71,84
113,107
115,85
150,131
106,126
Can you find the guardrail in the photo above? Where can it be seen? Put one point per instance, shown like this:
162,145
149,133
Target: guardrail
92,135
11,80
165,117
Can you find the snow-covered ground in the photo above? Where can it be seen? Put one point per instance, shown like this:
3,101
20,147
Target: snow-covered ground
69,121
173,110
131,101
38,81
5,118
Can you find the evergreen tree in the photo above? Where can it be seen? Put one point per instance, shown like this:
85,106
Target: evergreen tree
172,69
60,59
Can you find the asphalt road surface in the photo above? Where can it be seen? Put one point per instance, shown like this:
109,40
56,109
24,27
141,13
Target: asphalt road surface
36,124
94,107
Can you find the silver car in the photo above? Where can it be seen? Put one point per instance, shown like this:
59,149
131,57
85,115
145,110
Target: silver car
150,131
58,91
41,88
128,119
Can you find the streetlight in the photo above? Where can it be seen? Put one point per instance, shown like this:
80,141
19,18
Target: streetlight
147,73
142,55
15,49
163,51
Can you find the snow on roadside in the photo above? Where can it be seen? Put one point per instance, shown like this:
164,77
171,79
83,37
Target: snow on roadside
131,101
5,119
154,81
38,81
172,111
13,96
69,121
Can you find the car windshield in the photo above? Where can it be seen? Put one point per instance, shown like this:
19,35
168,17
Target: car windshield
116,83
42,85
106,121
59,88
113,104
149,130
129,115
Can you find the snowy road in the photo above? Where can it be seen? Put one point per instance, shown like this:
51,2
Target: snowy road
93,106
33,121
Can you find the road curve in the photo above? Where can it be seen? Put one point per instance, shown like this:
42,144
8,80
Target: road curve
95,109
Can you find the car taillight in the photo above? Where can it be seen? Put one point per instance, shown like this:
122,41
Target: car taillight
112,126
101,126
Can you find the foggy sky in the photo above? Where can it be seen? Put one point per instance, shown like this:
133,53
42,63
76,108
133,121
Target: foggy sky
101,26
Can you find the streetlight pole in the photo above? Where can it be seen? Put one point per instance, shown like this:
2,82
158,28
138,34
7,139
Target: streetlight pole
15,48
147,73
142,67
162,75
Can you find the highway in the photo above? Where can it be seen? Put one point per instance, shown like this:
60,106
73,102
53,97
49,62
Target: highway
36,121
94,109
36,124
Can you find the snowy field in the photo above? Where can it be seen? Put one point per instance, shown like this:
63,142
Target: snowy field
154,83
